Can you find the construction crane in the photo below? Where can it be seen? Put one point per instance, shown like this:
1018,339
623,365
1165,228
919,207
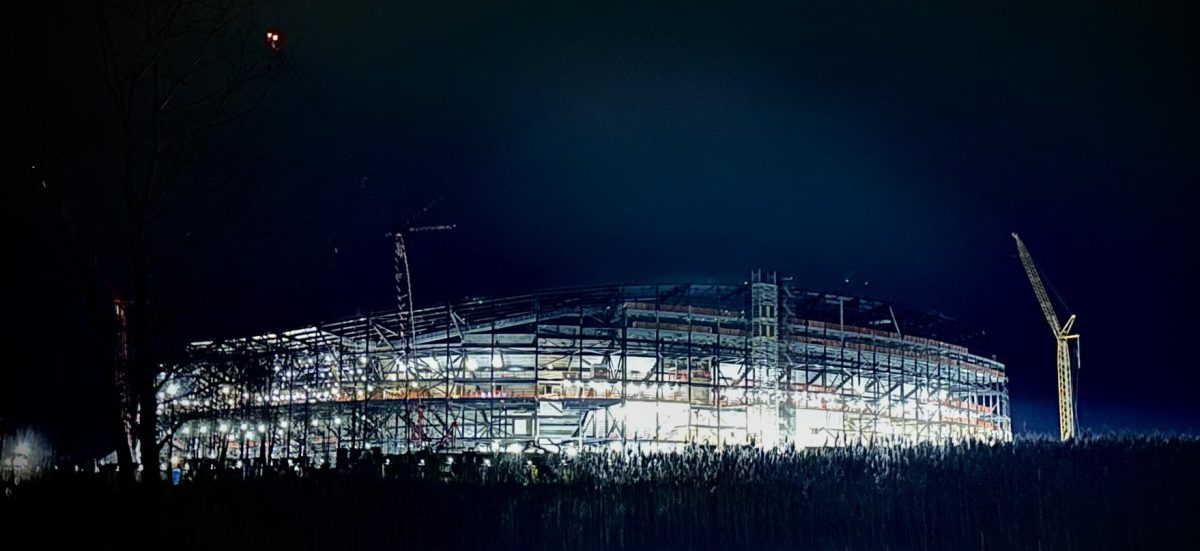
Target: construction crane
414,413
1063,337
403,279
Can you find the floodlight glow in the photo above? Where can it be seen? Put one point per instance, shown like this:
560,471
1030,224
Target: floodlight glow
611,370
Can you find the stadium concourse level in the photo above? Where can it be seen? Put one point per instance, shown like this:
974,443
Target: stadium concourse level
656,368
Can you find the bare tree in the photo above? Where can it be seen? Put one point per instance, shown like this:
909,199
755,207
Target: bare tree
176,74
106,313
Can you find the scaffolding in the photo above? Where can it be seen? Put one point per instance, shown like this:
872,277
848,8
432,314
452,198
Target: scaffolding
651,367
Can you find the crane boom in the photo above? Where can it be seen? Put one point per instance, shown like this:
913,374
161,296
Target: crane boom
1039,289
1063,338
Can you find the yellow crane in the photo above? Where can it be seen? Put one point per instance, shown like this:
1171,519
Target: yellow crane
1064,338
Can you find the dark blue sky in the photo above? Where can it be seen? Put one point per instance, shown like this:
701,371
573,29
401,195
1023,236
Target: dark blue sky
894,145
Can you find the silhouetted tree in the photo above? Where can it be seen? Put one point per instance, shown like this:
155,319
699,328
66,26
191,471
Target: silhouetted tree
175,74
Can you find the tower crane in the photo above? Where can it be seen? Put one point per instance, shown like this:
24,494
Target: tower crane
414,413
1063,336
403,278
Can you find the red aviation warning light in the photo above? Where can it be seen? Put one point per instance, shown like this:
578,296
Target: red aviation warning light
274,40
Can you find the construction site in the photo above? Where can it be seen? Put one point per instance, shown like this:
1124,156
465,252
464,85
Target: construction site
653,368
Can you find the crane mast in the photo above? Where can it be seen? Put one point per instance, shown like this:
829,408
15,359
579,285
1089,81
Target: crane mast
1063,337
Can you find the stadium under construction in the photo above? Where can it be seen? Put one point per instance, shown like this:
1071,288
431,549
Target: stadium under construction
652,367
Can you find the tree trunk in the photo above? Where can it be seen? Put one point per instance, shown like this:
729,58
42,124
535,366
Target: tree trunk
117,405
106,323
142,365
125,466
148,432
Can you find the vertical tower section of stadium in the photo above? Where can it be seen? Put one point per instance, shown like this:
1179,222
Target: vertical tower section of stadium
647,366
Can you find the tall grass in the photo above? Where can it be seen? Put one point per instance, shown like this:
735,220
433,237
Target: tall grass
1112,492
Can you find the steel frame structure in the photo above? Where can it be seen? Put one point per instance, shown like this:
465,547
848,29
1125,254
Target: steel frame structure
655,367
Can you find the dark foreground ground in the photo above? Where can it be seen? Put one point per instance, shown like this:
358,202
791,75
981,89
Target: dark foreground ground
1103,493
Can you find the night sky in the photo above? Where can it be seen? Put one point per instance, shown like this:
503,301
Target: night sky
885,151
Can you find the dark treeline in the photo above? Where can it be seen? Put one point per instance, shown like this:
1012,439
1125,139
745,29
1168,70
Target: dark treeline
1113,492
